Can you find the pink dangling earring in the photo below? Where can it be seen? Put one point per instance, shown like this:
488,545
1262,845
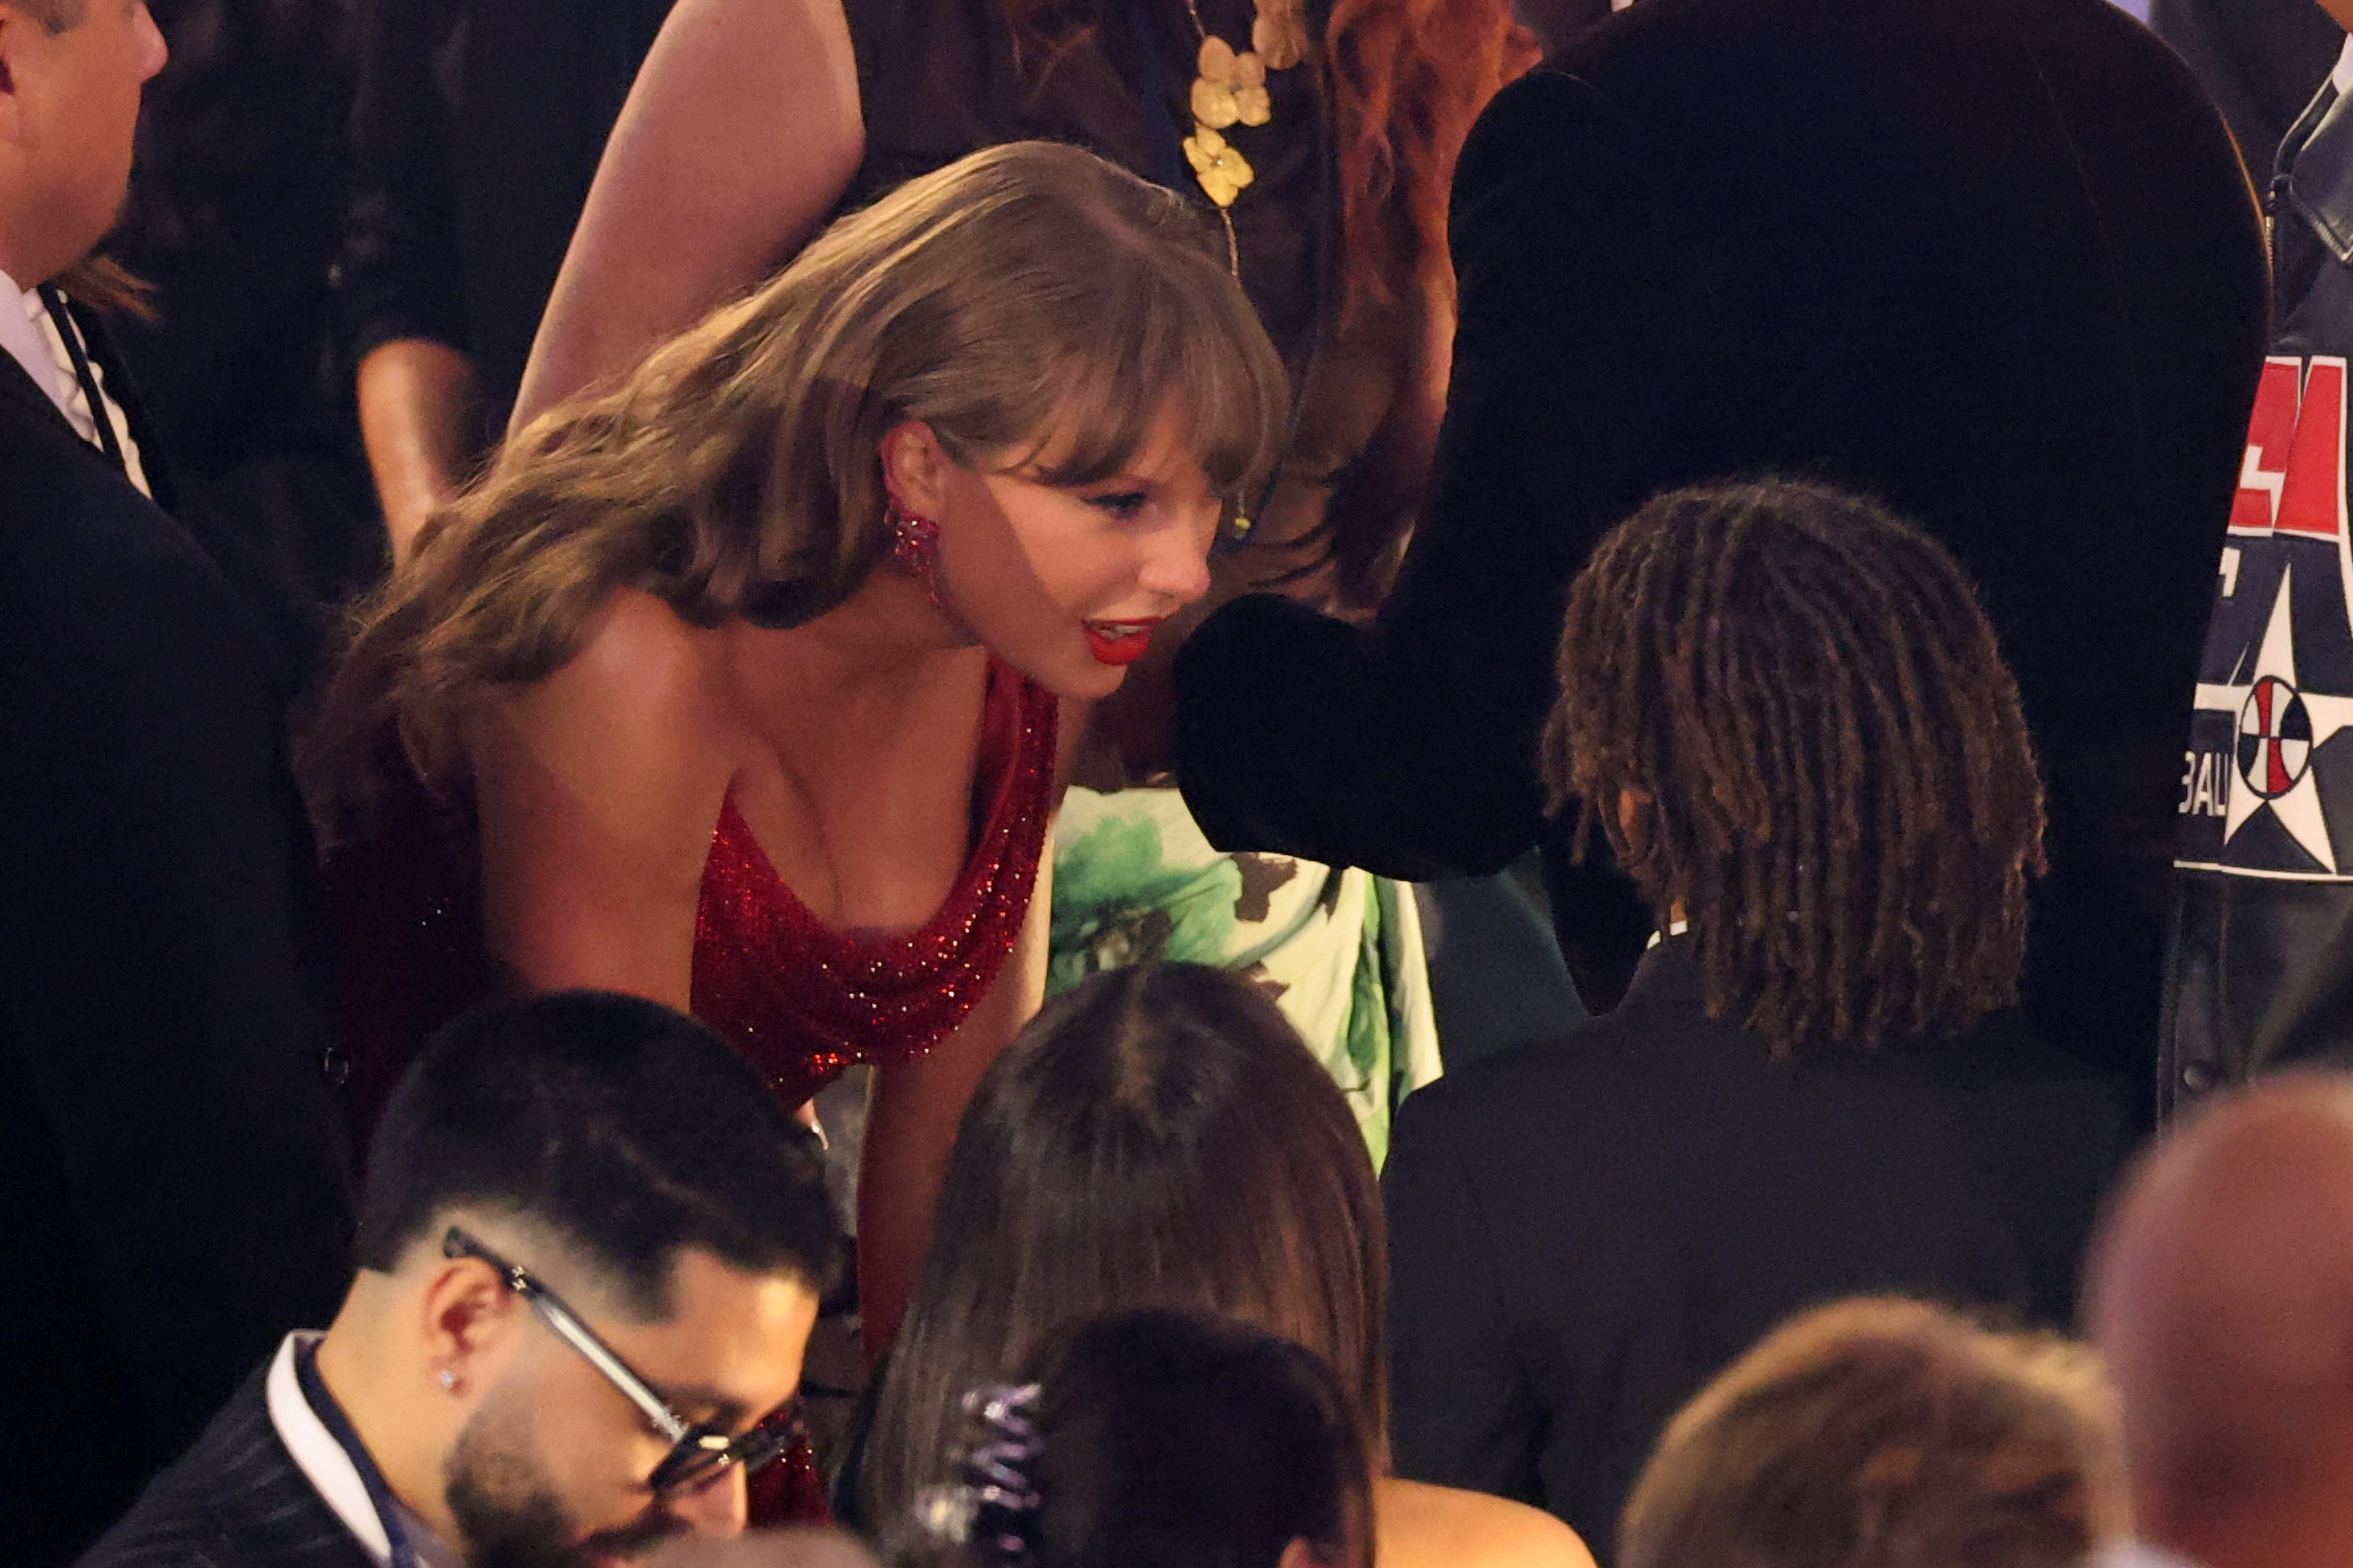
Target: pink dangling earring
914,545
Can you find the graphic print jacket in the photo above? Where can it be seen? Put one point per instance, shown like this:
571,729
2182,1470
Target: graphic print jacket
2260,967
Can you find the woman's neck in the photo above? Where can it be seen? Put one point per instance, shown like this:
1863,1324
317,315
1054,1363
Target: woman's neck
879,662
888,634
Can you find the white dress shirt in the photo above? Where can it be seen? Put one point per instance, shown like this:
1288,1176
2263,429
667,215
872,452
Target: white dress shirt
28,345
332,1475
319,1456
31,340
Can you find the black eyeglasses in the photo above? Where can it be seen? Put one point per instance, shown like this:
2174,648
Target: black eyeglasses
699,1451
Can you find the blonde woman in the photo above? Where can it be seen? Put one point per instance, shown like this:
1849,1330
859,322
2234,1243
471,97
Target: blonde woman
1883,1433
1320,136
751,673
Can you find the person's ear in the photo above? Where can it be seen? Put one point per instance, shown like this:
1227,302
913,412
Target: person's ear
16,32
915,468
470,1319
1634,818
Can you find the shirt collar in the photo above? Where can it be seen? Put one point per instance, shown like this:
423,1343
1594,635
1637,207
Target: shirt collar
315,1451
21,335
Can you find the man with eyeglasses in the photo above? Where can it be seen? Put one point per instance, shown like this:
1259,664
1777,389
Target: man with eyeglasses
591,1248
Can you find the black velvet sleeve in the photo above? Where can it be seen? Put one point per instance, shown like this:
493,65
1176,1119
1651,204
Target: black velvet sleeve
1410,749
1461,1414
397,276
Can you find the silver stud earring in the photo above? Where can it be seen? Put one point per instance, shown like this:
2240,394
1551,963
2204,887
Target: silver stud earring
449,1380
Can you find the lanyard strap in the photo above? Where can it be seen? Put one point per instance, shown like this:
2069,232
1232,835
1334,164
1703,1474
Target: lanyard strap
70,332
330,1416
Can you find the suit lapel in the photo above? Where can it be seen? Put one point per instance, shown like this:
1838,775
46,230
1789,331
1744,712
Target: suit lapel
17,387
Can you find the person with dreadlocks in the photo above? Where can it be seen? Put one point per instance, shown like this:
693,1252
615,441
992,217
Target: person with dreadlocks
1788,715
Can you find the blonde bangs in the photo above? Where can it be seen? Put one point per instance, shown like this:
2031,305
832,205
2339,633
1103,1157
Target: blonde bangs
1230,409
1106,307
1028,299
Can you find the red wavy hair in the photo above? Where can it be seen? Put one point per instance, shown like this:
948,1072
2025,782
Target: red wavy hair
1405,79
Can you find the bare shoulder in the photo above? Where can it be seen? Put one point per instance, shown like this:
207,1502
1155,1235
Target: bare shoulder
1443,1526
642,673
597,787
635,722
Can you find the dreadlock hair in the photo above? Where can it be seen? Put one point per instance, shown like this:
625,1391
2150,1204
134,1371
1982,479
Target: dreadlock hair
1838,789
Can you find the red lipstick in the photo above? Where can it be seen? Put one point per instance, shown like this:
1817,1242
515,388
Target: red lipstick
1118,642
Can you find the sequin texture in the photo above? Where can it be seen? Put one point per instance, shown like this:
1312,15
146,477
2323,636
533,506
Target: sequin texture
802,1002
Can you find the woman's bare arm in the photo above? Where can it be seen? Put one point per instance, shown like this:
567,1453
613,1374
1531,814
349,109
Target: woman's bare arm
597,787
916,1107
912,1120
417,400
740,133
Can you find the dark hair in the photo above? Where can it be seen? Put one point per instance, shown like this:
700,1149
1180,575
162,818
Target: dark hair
1169,1440
1159,1136
629,1130
1843,791
1887,1434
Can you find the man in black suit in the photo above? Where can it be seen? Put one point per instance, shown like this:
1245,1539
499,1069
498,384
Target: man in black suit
173,1183
591,1248
1992,260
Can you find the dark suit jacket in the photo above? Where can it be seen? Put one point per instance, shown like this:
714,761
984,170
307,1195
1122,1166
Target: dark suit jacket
1994,260
1582,1231
236,1500
173,1180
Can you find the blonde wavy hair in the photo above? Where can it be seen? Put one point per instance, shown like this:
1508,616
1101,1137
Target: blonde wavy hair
1883,1433
1028,299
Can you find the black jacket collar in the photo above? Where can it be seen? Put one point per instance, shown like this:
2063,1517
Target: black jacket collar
2315,171
1667,977
19,388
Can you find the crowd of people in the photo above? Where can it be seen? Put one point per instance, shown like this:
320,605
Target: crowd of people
1567,784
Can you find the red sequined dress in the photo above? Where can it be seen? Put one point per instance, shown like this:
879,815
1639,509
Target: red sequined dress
801,1002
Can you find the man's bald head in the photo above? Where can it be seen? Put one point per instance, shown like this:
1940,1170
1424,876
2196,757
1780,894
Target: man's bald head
2222,1294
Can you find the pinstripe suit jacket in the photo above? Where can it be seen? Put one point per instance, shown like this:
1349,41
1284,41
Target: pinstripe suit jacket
235,1500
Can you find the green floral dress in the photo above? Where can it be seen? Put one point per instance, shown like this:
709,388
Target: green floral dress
1340,949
